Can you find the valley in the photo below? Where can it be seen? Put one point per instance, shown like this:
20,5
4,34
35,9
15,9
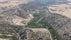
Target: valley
35,20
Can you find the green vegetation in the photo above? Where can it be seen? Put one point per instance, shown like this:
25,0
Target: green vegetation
4,36
12,37
33,24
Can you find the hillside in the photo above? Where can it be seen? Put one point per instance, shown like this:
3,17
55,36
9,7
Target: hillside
18,16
